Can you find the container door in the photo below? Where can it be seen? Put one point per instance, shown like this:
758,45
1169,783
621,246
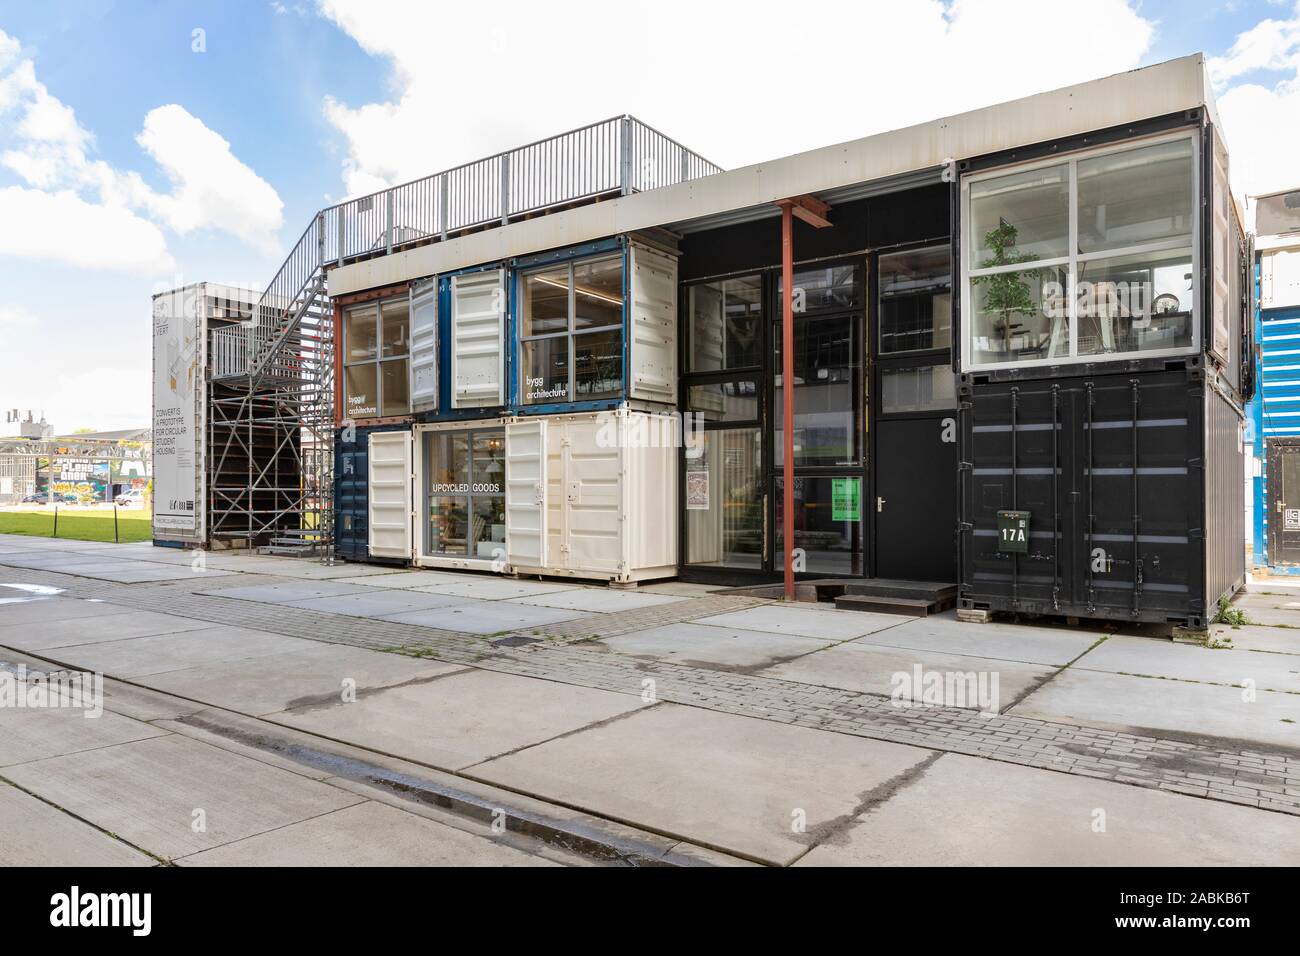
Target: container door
478,333
424,346
390,494
526,493
591,459
1284,502
652,325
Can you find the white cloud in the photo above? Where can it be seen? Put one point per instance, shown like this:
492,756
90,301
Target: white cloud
13,318
1261,119
48,149
63,227
739,89
212,187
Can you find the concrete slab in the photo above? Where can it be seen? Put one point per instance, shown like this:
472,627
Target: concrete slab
141,703
1273,616
285,593
368,834
376,603
35,734
495,588
805,620
599,600
1145,705
150,792
311,570
485,617
157,654
679,588
138,572
43,610
745,786
1164,658
37,834
1252,637
94,630
996,640
721,648
964,811
264,685
414,579
457,721
870,670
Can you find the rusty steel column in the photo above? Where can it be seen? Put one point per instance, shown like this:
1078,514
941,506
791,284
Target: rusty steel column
787,392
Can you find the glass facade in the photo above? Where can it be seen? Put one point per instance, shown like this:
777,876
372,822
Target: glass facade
376,362
465,492
1083,257
571,332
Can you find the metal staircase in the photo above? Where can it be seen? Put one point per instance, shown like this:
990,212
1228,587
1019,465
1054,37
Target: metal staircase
271,415
271,423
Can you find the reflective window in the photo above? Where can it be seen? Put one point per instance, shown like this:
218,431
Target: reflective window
1136,196
571,332
1121,283
376,372
828,523
918,389
725,324
725,401
1019,217
827,401
915,300
819,288
724,500
465,492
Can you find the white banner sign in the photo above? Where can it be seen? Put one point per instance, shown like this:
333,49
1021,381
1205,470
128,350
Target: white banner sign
177,390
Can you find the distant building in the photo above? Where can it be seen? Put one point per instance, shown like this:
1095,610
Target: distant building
18,472
1275,412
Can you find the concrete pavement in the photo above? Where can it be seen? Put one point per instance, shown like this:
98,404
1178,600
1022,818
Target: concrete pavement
706,724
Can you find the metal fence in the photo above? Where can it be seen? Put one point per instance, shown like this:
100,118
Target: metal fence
616,156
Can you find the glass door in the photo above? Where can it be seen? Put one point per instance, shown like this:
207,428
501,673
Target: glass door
829,447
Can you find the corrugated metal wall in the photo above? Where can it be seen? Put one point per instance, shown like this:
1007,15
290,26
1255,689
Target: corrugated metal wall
1225,520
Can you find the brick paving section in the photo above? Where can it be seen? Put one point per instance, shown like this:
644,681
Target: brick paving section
1260,778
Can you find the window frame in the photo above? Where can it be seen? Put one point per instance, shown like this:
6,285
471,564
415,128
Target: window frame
882,297
427,438
1071,261
570,333
380,359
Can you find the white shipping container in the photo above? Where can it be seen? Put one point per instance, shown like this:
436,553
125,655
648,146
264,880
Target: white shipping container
605,495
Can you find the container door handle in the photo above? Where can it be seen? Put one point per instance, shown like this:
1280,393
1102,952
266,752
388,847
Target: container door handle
880,504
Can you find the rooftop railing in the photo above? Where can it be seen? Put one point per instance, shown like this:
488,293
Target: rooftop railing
616,156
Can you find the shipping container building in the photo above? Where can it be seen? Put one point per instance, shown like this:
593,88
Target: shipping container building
1018,358
1274,468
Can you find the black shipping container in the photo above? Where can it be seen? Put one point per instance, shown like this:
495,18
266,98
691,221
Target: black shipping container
352,492
1134,489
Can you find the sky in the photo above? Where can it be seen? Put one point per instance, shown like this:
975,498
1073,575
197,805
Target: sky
147,144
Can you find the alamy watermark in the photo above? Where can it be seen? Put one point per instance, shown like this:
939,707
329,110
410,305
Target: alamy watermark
21,689
925,688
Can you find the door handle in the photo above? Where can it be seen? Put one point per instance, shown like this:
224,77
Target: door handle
880,504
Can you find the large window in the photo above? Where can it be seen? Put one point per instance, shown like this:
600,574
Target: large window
571,331
915,300
376,357
725,324
827,367
1085,257
465,492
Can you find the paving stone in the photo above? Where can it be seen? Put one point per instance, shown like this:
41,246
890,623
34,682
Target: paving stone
149,792
462,719
93,630
37,834
995,640
495,588
599,600
1137,655
287,593
484,617
805,621
706,646
40,610
142,656
377,604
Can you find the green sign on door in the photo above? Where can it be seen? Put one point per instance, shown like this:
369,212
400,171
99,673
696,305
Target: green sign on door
846,499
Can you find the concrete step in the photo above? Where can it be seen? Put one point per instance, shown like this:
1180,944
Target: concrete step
912,607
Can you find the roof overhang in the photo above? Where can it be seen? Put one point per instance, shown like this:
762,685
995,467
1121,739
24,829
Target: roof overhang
884,162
